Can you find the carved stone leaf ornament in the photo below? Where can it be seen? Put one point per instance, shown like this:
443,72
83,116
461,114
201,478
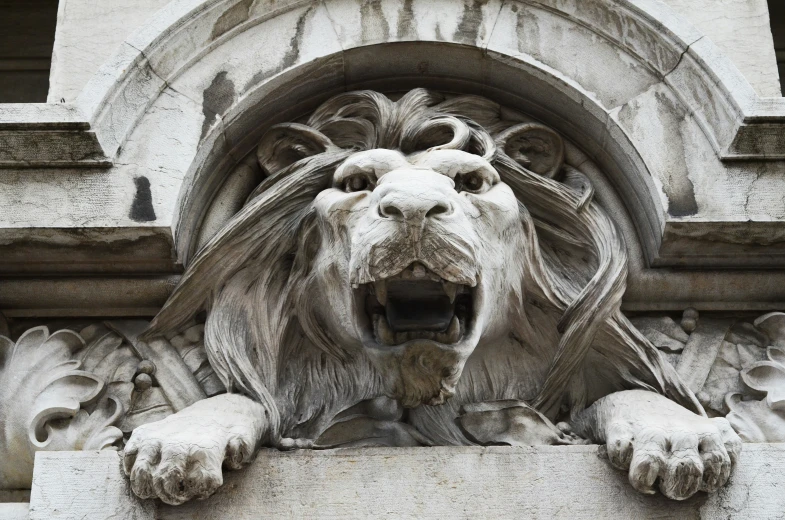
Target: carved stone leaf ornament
83,391
742,365
769,377
763,420
50,402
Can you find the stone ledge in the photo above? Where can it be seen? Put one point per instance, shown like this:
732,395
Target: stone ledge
13,511
496,482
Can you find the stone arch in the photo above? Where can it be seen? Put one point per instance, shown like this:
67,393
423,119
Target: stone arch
187,96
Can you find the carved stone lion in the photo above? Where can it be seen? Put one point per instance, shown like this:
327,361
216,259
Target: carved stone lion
421,272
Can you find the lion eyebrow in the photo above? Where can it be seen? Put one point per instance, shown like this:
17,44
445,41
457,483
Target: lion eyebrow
455,162
378,162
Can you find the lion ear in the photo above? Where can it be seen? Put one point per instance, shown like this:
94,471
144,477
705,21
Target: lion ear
535,147
285,144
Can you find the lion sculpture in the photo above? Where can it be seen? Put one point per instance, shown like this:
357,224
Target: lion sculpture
421,272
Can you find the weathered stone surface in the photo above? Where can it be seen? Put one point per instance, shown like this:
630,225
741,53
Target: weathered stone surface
659,134
570,482
401,249
87,35
743,32
451,224
91,481
669,157
47,135
14,511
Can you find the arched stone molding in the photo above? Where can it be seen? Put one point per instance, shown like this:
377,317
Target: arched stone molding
655,105
228,56
647,31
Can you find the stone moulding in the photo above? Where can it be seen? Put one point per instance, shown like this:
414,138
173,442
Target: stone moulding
70,142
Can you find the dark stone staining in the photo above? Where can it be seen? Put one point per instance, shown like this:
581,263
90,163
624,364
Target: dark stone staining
471,19
291,56
233,17
405,20
142,206
679,188
217,99
372,16
682,203
676,184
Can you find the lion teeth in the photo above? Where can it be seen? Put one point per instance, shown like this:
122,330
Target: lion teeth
453,332
383,331
380,288
451,289
386,336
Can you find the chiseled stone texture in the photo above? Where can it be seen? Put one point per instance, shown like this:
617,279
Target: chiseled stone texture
88,33
498,482
742,30
14,511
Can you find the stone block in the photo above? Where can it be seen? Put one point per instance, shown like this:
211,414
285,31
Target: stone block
14,511
572,482
361,23
741,29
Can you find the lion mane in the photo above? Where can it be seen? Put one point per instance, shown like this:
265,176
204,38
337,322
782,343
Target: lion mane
252,278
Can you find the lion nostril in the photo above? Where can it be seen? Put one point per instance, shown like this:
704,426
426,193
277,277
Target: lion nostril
439,209
390,210
416,210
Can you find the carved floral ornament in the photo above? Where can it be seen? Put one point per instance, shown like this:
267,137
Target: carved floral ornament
414,272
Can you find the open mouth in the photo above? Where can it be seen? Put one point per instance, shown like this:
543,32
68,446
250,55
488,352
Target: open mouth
418,304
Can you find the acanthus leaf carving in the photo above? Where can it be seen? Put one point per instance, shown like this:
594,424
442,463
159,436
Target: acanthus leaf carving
746,380
50,403
81,390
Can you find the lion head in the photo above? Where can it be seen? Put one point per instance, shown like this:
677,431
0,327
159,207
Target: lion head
413,263
407,234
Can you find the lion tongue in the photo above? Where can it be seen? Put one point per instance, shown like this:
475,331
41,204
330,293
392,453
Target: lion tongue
418,305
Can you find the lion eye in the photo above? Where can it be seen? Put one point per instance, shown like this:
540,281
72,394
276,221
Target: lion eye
356,183
472,182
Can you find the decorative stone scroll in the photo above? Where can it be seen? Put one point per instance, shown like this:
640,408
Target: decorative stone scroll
415,271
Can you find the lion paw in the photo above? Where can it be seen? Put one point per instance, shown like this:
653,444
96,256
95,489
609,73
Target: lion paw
181,457
681,459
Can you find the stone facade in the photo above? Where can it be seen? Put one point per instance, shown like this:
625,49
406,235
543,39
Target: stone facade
406,223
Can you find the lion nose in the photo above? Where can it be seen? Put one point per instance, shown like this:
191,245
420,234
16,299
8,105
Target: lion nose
413,207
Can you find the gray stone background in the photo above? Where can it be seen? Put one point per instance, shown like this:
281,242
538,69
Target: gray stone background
49,52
